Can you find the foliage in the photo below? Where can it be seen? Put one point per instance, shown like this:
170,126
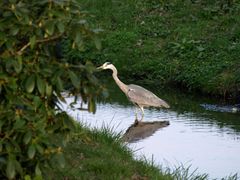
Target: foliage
33,75
88,158
194,44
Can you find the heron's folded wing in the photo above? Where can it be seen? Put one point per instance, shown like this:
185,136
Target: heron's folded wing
142,96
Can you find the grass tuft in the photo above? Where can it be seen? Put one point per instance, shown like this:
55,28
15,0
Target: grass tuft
99,154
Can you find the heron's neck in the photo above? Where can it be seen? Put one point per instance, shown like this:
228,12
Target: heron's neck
120,84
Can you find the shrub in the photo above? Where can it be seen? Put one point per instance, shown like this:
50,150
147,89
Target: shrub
33,74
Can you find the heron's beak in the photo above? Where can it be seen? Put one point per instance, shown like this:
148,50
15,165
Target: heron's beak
100,67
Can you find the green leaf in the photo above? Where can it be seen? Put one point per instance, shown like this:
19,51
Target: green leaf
14,30
18,64
18,124
31,151
18,167
27,137
91,106
7,14
39,149
41,85
50,25
69,123
60,159
74,79
48,90
60,27
10,171
37,101
98,43
32,41
38,177
38,170
78,38
59,84
30,83
79,41
27,177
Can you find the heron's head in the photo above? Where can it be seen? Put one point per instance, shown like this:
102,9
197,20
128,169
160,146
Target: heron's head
106,65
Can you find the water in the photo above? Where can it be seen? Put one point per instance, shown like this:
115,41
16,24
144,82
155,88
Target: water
205,139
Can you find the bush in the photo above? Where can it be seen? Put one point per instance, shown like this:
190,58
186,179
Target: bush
33,74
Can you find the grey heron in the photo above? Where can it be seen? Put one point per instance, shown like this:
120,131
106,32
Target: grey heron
138,95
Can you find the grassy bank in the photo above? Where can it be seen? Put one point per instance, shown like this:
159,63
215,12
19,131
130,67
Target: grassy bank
191,44
100,154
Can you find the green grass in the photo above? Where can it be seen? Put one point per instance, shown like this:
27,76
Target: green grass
194,44
100,154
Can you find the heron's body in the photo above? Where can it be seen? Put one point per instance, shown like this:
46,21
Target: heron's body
136,94
144,98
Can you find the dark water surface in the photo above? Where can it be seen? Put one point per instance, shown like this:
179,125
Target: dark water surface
205,139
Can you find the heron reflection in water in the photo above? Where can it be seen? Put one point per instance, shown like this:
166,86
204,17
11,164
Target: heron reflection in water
138,95
141,130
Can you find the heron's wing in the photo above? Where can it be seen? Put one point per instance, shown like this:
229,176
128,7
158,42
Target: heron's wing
144,97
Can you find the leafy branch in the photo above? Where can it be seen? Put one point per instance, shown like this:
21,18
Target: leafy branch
31,85
45,40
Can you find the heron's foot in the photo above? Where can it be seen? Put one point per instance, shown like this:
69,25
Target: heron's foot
136,120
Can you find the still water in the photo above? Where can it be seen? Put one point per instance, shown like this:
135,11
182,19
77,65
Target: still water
206,140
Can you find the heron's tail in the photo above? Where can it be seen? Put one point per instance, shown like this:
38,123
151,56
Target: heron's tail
162,103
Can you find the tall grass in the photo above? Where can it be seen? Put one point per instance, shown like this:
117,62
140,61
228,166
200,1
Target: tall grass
100,154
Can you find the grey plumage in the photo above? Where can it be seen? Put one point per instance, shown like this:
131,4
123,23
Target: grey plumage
144,97
140,96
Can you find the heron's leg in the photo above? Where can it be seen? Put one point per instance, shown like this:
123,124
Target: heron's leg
142,112
136,113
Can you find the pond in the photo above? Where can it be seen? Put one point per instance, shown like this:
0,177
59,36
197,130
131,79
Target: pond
205,139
